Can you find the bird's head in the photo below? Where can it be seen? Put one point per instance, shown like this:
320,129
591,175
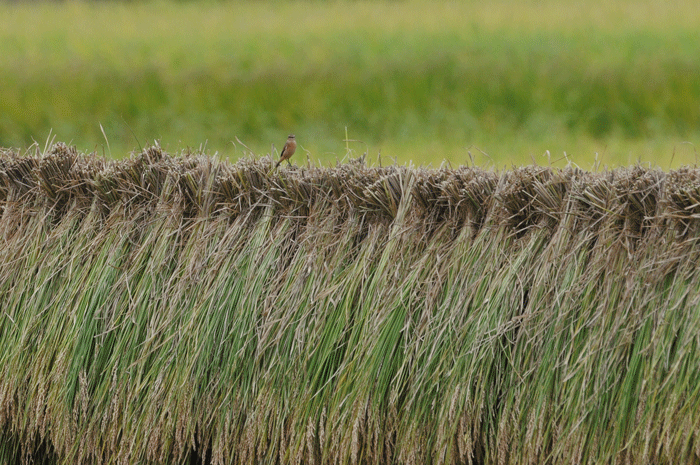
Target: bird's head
291,136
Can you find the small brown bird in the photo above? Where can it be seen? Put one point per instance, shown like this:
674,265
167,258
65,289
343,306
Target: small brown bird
288,150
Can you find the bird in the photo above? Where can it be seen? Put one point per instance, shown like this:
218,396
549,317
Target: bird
289,147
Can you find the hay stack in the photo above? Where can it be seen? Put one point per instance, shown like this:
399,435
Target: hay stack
181,309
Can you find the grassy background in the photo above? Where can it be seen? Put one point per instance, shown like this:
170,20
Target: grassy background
418,81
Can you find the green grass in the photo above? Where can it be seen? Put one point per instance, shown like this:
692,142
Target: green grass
419,81
166,309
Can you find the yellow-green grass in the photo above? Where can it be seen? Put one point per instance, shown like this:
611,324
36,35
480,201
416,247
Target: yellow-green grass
420,81
173,310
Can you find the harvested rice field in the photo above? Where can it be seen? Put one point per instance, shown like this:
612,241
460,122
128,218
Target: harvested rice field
176,308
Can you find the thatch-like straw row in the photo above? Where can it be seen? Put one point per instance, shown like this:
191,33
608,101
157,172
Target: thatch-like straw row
169,309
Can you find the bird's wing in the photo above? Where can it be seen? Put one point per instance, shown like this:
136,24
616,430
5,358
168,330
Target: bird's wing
284,150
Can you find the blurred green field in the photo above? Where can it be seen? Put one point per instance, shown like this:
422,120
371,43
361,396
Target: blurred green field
503,80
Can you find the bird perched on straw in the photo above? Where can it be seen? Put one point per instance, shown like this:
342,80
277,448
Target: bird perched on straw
289,147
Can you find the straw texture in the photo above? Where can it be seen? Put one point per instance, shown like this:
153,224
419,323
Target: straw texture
181,309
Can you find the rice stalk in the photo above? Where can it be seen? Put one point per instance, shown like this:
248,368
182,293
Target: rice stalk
168,309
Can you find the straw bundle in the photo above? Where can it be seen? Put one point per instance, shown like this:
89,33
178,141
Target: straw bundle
175,309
